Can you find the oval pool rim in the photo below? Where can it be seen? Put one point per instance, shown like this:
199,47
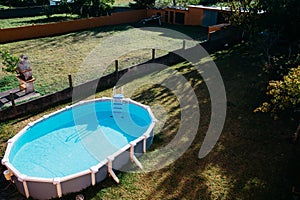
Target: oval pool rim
23,181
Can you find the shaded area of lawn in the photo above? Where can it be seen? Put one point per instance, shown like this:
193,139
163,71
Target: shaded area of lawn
249,160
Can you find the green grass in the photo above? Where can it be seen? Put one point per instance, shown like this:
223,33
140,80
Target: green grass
53,58
250,158
8,82
3,7
248,162
122,2
28,21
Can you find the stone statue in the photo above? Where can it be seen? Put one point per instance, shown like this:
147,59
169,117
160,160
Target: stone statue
24,69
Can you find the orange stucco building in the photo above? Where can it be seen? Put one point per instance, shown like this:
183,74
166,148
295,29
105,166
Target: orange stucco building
192,15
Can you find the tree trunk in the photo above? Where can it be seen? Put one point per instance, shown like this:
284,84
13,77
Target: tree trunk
296,134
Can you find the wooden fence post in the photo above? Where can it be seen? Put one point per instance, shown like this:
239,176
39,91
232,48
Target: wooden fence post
70,81
153,54
117,68
12,99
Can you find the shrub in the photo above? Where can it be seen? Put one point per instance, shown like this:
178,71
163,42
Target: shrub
9,61
284,95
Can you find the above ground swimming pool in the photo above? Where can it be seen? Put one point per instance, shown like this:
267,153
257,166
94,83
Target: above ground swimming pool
78,146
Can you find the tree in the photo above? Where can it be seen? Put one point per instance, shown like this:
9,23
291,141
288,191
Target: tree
93,8
142,4
271,26
270,16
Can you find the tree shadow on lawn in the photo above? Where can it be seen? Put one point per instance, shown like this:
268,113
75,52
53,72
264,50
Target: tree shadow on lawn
249,160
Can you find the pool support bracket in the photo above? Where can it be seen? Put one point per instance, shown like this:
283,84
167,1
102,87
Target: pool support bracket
110,170
133,157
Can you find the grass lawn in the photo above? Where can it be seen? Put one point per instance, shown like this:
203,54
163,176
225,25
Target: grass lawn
53,58
3,7
122,2
28,21
249,160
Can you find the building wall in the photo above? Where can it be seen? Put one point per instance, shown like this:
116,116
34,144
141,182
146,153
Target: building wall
194,15
43,30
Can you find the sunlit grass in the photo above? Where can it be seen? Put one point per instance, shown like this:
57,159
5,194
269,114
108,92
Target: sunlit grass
28,21
3,7
218,184
54,58
122,2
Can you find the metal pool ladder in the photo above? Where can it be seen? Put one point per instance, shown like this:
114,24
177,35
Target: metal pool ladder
118,100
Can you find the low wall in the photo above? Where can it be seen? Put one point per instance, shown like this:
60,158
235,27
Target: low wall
43,30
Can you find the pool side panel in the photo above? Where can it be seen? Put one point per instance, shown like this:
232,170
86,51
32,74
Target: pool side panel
76,184
38,190
138,149
121,160
19,185
101,174
149,140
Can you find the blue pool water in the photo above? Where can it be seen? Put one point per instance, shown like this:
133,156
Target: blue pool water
76,139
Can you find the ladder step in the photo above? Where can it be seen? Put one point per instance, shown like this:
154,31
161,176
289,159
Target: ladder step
118,108
119,104
118,96
117,112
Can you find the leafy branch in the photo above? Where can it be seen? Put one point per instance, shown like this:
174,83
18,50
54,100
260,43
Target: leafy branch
9,61
285,94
